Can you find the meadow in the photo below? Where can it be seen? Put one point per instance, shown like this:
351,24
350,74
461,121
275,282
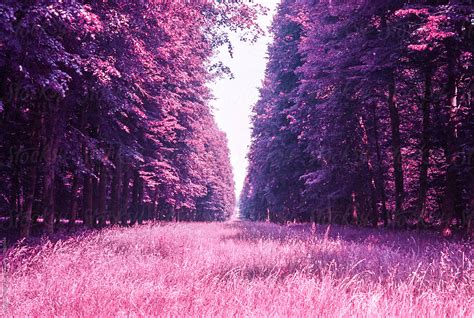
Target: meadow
240,269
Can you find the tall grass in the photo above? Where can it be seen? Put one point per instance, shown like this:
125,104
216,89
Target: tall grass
241,269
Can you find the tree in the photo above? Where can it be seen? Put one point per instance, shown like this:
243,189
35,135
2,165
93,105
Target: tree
379,116
114,100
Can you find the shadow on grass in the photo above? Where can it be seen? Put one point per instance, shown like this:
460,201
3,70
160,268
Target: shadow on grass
372,255
12,236
419,242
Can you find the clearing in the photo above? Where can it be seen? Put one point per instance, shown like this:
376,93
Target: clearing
240,269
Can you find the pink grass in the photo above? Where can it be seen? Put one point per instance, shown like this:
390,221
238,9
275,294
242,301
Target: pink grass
241,269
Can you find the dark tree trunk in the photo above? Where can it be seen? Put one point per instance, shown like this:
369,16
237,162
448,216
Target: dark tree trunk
74,200
380,183
124,199
140,206
372,217
75,192
88,197
397,154
102,196
88,201
115,191
154,210
425,148
135,198
178,215
48,186
51,132
14,199
451,193
25,219
95,196
469,212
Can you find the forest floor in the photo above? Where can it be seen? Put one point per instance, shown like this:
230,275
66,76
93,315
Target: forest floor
240,269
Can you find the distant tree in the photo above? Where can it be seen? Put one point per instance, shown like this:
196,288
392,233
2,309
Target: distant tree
276,157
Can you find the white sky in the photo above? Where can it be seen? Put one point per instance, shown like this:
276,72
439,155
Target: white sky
235,98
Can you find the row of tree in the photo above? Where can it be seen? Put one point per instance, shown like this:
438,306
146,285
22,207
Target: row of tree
365,116
104,114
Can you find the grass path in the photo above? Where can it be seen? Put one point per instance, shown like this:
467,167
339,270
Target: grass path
241,269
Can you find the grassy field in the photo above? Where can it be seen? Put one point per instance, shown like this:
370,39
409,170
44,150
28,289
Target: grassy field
241,269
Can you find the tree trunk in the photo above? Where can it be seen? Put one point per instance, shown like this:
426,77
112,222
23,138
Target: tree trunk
452,190
355,214
95,196
25,219
397,154
469,212
124,202
154,210
178,215
88,201
51,132
372,217
140,207
14,199
135,198
380,184
115,191
425,148
74,200
102,196
48,186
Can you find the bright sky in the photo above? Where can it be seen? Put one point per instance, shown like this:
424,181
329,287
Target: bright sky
235,98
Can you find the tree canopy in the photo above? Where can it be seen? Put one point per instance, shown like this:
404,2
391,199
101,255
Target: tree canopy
365,116
104,111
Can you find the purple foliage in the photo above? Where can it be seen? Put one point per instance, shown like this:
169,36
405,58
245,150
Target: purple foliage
365,116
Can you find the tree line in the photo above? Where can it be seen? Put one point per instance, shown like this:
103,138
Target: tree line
104,113
365,116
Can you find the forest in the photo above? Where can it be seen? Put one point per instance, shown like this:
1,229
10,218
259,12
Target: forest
117,192
365,116
104,113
